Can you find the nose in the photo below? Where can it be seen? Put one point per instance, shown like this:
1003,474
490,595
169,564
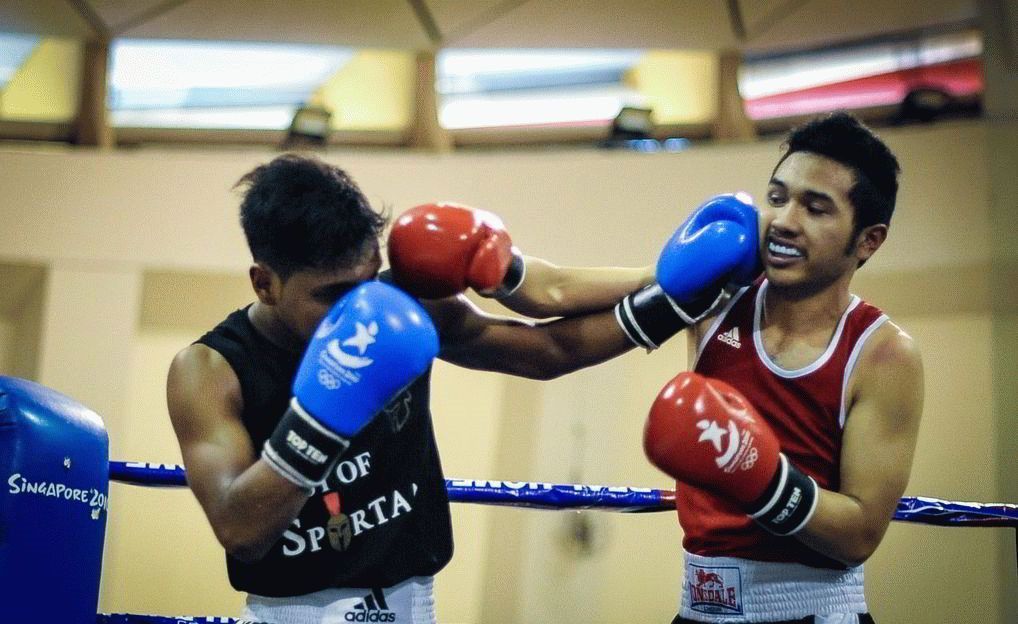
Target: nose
785,220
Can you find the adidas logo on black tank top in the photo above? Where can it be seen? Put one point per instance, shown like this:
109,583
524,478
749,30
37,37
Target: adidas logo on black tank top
372,609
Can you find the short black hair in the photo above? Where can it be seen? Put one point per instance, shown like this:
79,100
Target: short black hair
299,212
843,138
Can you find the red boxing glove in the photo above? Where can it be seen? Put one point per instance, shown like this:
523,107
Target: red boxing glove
703,432
440,250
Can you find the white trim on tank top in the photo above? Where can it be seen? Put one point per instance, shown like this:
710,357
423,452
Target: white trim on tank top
852,358
761,353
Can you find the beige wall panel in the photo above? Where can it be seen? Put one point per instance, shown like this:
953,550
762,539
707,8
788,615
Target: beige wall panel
8,348
28,320
21,301
175,209
155,209
465,407
89,317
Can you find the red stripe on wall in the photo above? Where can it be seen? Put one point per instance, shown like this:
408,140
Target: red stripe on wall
958,78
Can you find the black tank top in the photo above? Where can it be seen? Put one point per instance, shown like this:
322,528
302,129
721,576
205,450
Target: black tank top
393,520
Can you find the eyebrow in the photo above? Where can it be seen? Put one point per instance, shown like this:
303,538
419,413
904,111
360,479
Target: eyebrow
809,193
335,287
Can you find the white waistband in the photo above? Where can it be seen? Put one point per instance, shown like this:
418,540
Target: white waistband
409,602
730,590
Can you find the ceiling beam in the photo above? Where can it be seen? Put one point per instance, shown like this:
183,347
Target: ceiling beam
776,15
485,18
95,22
736,21
146,16
427,21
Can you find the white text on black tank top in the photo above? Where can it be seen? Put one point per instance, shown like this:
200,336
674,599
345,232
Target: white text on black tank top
298,539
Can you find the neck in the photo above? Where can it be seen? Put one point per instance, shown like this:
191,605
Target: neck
268,324
798,311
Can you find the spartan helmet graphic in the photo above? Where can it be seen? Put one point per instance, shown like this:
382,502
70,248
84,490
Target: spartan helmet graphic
340,532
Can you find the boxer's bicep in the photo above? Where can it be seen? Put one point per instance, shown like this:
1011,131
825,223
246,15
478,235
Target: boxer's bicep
204,402
877,448
882,426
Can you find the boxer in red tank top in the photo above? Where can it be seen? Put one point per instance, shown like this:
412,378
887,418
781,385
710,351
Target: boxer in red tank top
814,387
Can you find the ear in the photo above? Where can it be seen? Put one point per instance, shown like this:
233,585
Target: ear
869,241
265,282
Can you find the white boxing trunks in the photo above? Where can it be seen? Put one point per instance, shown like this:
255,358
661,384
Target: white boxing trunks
731,590
409,602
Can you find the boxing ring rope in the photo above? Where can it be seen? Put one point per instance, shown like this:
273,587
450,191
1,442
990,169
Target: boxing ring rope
557,496
538,495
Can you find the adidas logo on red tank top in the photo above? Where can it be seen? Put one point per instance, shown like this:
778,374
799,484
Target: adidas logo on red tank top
731,338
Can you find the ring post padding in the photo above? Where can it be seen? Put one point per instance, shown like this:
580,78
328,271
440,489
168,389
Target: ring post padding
54,459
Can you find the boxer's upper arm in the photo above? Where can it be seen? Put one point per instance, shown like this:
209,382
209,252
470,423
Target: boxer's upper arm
246,501
882,425
204,400
878,444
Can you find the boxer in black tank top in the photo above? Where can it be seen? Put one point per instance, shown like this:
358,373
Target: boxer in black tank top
380,519
390,485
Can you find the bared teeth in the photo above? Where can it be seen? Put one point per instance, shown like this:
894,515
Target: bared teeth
784,250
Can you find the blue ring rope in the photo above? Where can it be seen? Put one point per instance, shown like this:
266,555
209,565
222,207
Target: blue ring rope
534,495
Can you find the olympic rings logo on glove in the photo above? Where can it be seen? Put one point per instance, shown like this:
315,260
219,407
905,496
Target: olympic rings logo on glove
751,458
327,379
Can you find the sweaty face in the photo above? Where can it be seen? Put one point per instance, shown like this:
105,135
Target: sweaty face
306,296
808,223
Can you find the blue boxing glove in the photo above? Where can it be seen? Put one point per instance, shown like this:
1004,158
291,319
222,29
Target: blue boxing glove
372,344
715,248
717,243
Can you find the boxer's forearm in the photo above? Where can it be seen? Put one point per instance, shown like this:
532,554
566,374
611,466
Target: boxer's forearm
254,510
549,290
843,529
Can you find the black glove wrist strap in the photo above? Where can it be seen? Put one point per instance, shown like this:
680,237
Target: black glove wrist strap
301,449
789,501
649,316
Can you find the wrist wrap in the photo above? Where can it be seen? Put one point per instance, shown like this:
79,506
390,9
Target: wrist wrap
301,449
789,501
649,316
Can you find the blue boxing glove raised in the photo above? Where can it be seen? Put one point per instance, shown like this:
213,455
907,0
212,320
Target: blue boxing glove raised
372,344
716,248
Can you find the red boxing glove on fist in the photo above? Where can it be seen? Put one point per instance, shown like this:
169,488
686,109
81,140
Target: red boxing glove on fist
440,250
703,432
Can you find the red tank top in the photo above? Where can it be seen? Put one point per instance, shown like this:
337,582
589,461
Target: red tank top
804,407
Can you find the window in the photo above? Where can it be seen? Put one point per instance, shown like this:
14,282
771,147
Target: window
195,84
14,50
490,88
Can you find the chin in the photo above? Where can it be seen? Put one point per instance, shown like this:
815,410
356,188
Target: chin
782,277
